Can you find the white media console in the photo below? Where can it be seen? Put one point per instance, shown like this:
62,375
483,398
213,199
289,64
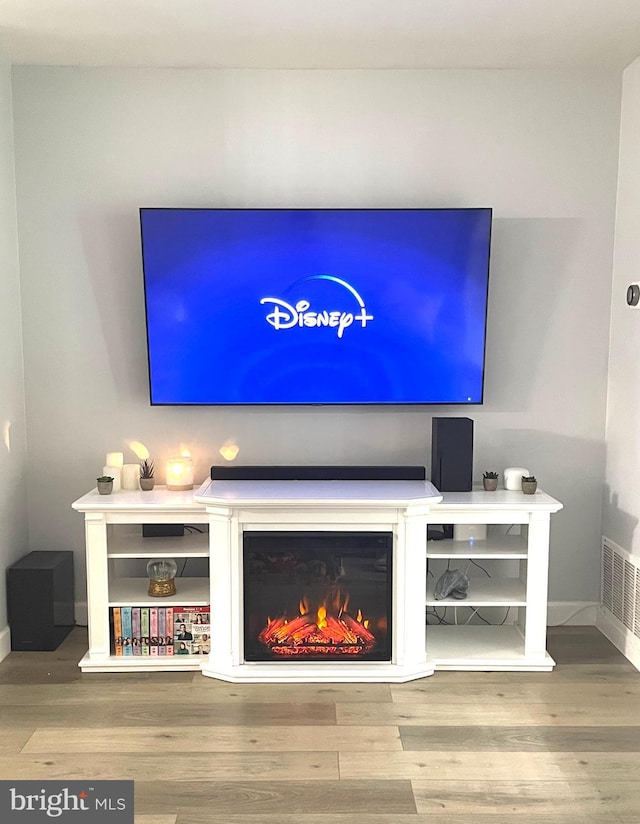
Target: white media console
518,539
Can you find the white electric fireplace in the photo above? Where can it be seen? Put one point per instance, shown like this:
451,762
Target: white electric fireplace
317,580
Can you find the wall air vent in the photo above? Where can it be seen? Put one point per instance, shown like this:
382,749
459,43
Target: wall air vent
630,608
619,614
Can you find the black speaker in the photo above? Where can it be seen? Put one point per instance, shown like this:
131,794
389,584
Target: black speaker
452,454
318,473
40,600
162,530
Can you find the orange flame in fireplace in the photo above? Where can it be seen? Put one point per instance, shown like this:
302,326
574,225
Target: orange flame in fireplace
330,631
321,621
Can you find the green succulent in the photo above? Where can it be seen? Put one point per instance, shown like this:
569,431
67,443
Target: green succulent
146,468
492,475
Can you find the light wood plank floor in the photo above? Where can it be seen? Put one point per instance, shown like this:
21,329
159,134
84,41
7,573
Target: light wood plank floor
546,748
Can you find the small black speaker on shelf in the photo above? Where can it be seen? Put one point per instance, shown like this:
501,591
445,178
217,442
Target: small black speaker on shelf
162,530
40,600
452,454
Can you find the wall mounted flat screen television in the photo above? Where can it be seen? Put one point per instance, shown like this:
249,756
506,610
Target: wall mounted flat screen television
316,306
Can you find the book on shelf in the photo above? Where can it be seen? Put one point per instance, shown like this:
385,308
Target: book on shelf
127,631
135,630
144,630
202,633
169,631
191,630
160,631
153,630
117,630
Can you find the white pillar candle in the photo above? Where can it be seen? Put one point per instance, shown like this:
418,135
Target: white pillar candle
179,473
115,459
131,476
114,472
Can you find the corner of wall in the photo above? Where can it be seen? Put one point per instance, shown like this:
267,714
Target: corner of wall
5,643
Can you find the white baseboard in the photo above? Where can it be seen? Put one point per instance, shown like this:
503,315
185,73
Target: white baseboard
5,643
619,636
81,613
574,613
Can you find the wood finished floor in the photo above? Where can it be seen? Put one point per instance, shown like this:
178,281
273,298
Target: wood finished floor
547,748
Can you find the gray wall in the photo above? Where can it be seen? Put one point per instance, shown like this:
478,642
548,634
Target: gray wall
622,481
92,145
13,484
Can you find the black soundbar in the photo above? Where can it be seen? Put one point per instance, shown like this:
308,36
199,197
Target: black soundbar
318,473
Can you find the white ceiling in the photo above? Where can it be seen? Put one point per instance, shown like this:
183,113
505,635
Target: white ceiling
323,33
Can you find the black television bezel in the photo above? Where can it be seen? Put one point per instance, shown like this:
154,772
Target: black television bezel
327,404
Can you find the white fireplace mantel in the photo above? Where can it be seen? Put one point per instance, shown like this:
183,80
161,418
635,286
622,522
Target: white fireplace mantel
398,507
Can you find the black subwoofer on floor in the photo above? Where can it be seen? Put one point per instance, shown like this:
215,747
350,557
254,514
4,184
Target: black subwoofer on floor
40,600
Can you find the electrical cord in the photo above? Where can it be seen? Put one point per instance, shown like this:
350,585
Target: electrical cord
474,611
441,619
573,615
475,563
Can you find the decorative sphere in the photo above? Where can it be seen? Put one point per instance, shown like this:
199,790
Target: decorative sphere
162,573
162,569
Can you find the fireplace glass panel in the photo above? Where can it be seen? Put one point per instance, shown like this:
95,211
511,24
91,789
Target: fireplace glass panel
317,596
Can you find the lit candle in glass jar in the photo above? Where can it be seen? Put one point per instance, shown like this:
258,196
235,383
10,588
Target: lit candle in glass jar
180,473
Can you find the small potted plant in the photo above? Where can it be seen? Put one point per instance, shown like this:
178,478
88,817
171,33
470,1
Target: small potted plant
147,480
490,481
529,484
105,484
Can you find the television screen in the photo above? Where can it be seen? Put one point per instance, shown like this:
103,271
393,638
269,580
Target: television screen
316,306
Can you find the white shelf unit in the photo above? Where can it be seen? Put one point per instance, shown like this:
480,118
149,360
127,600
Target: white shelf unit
114,540
519,580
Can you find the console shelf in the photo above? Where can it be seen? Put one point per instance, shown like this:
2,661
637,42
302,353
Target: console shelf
483,648
113,532
126,591
498,547
125,542
517,536
514,556
484,592
170,663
